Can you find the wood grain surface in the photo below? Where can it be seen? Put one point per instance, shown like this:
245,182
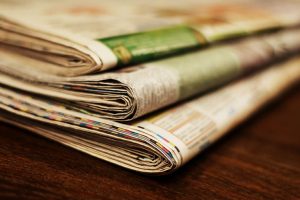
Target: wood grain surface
258,160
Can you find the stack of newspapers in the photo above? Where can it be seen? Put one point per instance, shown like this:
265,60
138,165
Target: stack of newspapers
146,85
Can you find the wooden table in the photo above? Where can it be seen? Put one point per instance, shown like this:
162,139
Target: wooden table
258,160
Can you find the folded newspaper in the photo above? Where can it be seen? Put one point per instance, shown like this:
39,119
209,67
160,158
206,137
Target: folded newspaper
93,35
132,92
147,117
157,144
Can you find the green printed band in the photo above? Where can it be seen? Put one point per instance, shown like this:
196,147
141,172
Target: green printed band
203,70
150,45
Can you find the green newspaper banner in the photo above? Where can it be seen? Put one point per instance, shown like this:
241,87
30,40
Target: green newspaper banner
150,45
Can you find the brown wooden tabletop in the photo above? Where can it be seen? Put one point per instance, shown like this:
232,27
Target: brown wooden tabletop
258,160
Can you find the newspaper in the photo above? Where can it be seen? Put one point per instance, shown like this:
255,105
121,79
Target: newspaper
88,36
159,143
132,92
